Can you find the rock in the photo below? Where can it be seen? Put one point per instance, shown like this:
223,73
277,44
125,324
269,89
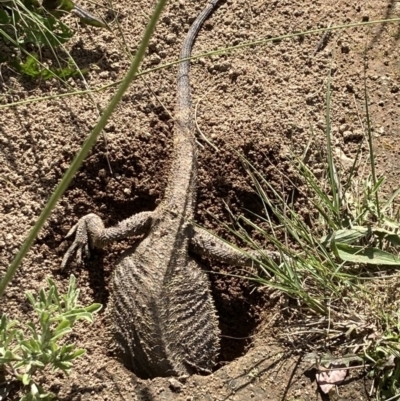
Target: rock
175,385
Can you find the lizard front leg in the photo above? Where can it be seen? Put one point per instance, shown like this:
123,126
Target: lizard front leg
90,233
204,243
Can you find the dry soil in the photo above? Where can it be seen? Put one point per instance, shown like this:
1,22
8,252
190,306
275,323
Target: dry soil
263,101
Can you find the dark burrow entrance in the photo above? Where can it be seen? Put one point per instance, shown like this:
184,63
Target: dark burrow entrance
239,304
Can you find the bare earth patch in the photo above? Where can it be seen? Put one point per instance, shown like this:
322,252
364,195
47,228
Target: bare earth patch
258,101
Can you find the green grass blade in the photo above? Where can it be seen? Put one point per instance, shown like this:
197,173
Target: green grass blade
68,176
369,136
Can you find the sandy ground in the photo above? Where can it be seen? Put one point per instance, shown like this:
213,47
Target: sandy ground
259,101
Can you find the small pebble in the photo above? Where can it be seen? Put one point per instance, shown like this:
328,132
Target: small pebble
175,385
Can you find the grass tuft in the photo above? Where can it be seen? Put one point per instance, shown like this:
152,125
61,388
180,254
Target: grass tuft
339,269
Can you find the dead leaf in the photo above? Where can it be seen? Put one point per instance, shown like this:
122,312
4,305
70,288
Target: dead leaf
327,380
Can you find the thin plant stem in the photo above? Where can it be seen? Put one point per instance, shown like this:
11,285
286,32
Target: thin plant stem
68,176
332,170
217,52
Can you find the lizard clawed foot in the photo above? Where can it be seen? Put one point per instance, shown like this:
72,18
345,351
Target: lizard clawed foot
85,237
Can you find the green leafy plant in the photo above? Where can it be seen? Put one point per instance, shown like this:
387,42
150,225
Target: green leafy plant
26,23
26,348
32,68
